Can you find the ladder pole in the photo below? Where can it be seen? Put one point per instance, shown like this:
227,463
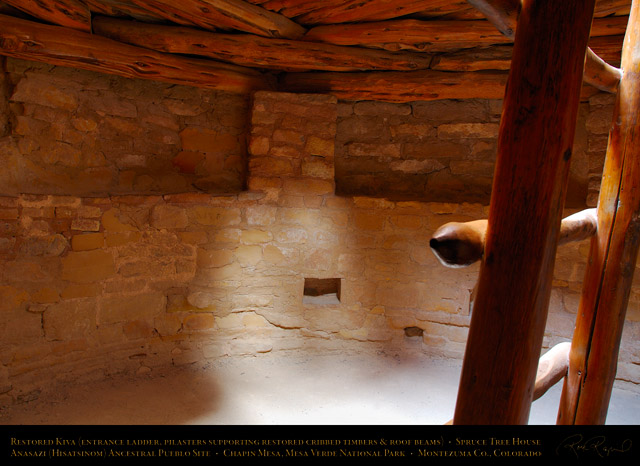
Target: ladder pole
612,258
534,151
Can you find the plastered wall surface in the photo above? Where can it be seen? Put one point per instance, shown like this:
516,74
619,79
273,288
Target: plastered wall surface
145,225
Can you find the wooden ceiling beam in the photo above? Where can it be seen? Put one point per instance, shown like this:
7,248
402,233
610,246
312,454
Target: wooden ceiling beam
411,34
609,48
253,51
497,57
434,36
68,13
612,7
67,47
314,12
225,14
119,8
398,86
294,8
612,26
455,10
352,11
405,86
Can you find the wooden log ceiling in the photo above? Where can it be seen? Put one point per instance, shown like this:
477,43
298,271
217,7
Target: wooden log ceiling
388,50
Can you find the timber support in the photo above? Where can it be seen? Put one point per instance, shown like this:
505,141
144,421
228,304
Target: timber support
458,244
534,151
612,258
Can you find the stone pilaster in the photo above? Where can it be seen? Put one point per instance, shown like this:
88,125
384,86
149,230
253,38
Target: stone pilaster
291,146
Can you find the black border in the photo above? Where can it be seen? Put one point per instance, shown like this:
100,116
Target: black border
234,444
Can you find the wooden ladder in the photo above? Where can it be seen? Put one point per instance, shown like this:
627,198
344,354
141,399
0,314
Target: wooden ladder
497,383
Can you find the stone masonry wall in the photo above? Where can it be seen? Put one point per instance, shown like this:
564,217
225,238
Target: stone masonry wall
83,133
4,99
132,283
445,151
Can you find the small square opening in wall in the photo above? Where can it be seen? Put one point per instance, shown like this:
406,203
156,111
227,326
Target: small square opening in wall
322,291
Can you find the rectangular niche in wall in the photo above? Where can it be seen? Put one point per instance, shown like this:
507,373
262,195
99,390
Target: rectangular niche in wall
321,291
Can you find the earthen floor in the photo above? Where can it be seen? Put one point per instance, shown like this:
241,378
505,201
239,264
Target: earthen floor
283,390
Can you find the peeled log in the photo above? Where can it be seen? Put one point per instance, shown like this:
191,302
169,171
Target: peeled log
124,8
68,13
612,258
459,244
579,226
600,74
254,51
66,47
225,14
411,34
399,86
354,11
497,57
552,367
528,194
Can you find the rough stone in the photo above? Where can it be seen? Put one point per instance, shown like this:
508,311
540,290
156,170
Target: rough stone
69,320
169,217
37,90
112,222
306,186
199,322
381,108
288,137
417,166
88,266
248,255
358,149
49,245
259,145
87,241
369,220
255,236
599,120
271,166
319,146
449,110
214,258
468,130
208,140
85,224
217,216
127,308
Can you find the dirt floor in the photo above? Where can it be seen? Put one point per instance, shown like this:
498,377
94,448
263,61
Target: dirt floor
283,390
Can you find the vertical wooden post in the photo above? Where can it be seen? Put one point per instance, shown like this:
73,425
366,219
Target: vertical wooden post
534,151
612,259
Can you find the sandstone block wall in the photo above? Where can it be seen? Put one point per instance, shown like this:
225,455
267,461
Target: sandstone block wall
82,133
93,285
445,151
